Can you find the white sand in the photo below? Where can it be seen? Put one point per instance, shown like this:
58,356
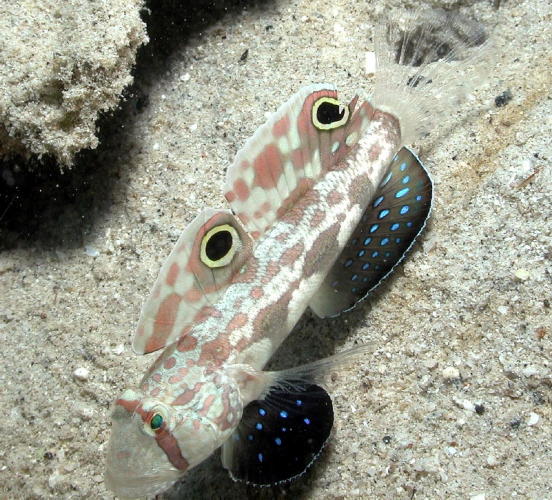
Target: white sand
455,402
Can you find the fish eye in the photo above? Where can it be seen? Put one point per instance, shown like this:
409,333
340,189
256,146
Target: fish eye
328,113
156,421
219,246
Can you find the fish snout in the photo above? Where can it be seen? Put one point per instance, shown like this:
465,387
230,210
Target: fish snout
136,464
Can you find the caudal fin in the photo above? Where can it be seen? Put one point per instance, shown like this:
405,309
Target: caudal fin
427,62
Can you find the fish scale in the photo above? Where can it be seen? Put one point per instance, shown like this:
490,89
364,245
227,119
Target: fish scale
312,225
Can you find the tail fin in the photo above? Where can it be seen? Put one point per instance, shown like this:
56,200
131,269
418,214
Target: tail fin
426,63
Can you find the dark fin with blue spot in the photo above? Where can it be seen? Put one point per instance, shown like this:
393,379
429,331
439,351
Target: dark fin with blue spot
280,435
386,232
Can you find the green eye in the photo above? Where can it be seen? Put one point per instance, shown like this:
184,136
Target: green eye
156,422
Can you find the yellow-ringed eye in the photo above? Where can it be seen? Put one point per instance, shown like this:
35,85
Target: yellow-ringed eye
219,246
328,113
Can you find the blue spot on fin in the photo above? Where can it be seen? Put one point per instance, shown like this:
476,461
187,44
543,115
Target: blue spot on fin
404,199
296,424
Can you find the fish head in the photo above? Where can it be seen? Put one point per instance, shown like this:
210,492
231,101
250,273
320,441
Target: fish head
154,441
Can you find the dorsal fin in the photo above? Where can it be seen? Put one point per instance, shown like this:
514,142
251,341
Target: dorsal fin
309,135
386,231
210,251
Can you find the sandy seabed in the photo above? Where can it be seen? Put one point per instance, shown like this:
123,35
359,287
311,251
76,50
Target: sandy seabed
454,401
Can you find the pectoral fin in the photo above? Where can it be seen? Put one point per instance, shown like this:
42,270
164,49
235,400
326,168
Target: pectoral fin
285,428
387,230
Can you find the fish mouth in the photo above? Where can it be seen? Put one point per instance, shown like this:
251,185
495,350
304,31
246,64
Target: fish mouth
136,465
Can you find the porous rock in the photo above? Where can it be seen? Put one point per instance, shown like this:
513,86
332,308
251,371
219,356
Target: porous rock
61,65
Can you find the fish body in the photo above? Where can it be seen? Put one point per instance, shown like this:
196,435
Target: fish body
326,203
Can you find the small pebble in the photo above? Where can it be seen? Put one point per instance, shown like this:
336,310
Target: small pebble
533,419
55,480
185,77
514,424
479,496
465,404
522,274
530,370
492,461
81,374
119,349
450,373
370,63
430,364
502,309
503,99
428,465
91,251
85,412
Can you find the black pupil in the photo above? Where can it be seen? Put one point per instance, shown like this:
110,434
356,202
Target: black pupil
218,245
328,113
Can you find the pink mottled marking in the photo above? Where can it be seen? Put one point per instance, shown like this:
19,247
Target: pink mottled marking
206,405
193,295
186,343
303,186
163,323
215,351
281,127
169,363
335,198
268,167
187,395
291,255
241,189
236,322
257,293
175,379
184,398
172,275
297,159
317,219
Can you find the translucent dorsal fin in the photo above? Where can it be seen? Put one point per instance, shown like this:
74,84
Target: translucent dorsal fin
309,135
210,251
